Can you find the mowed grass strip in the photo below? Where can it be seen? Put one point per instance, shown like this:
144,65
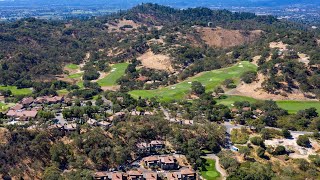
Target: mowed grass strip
295,106
75,76
210,79
72,66
209,171
116,72
291,106
16,91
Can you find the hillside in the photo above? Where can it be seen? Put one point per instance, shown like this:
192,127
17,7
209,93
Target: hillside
150,91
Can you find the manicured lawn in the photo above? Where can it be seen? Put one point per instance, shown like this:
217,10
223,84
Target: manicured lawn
62,92
291,106
210,172
16,91
295,106
72,66
75,76
210,80
229,101
116,72
4,107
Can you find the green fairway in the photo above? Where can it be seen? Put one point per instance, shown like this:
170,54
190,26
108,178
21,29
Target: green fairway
72,66
210,80
62,92
231,99
75,76
291,106
116,72
295,106
209,172
16,91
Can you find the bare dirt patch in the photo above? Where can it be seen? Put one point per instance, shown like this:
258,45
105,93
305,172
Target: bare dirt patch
303,58
111,88
4,135
156,61
280,45
256,91
255,60
224,38
117,25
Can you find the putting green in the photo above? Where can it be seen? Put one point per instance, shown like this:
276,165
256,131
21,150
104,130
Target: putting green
72,66
210,79
210,172
116,72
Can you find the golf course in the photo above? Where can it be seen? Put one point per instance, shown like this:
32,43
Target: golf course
213,79
16,91
291,106
209,171
116,72
210,79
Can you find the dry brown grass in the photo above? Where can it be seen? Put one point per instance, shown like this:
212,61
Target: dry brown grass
156,61
224,38
256,91
280,45
115,26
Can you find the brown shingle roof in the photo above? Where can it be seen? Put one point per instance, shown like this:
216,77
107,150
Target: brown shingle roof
151,158
187,171
22,113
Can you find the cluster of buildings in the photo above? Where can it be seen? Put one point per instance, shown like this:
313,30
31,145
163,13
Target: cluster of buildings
183,174
165,162
28,107
152,146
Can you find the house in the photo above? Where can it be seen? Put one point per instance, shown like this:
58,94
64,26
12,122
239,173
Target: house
135,175
17,107
172,176
54,100
142,78
155,145
150,176
187,122
188,174
144,147
116,176
151,161
27,101
147,113
246,109
92,122
103,175
235,110
118,114
22,114
104,124
168,162
70,127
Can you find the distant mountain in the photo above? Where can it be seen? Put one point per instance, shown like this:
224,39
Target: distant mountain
176,3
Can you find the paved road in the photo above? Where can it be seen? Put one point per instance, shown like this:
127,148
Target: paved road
61,119
217,165
230,126
166,113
